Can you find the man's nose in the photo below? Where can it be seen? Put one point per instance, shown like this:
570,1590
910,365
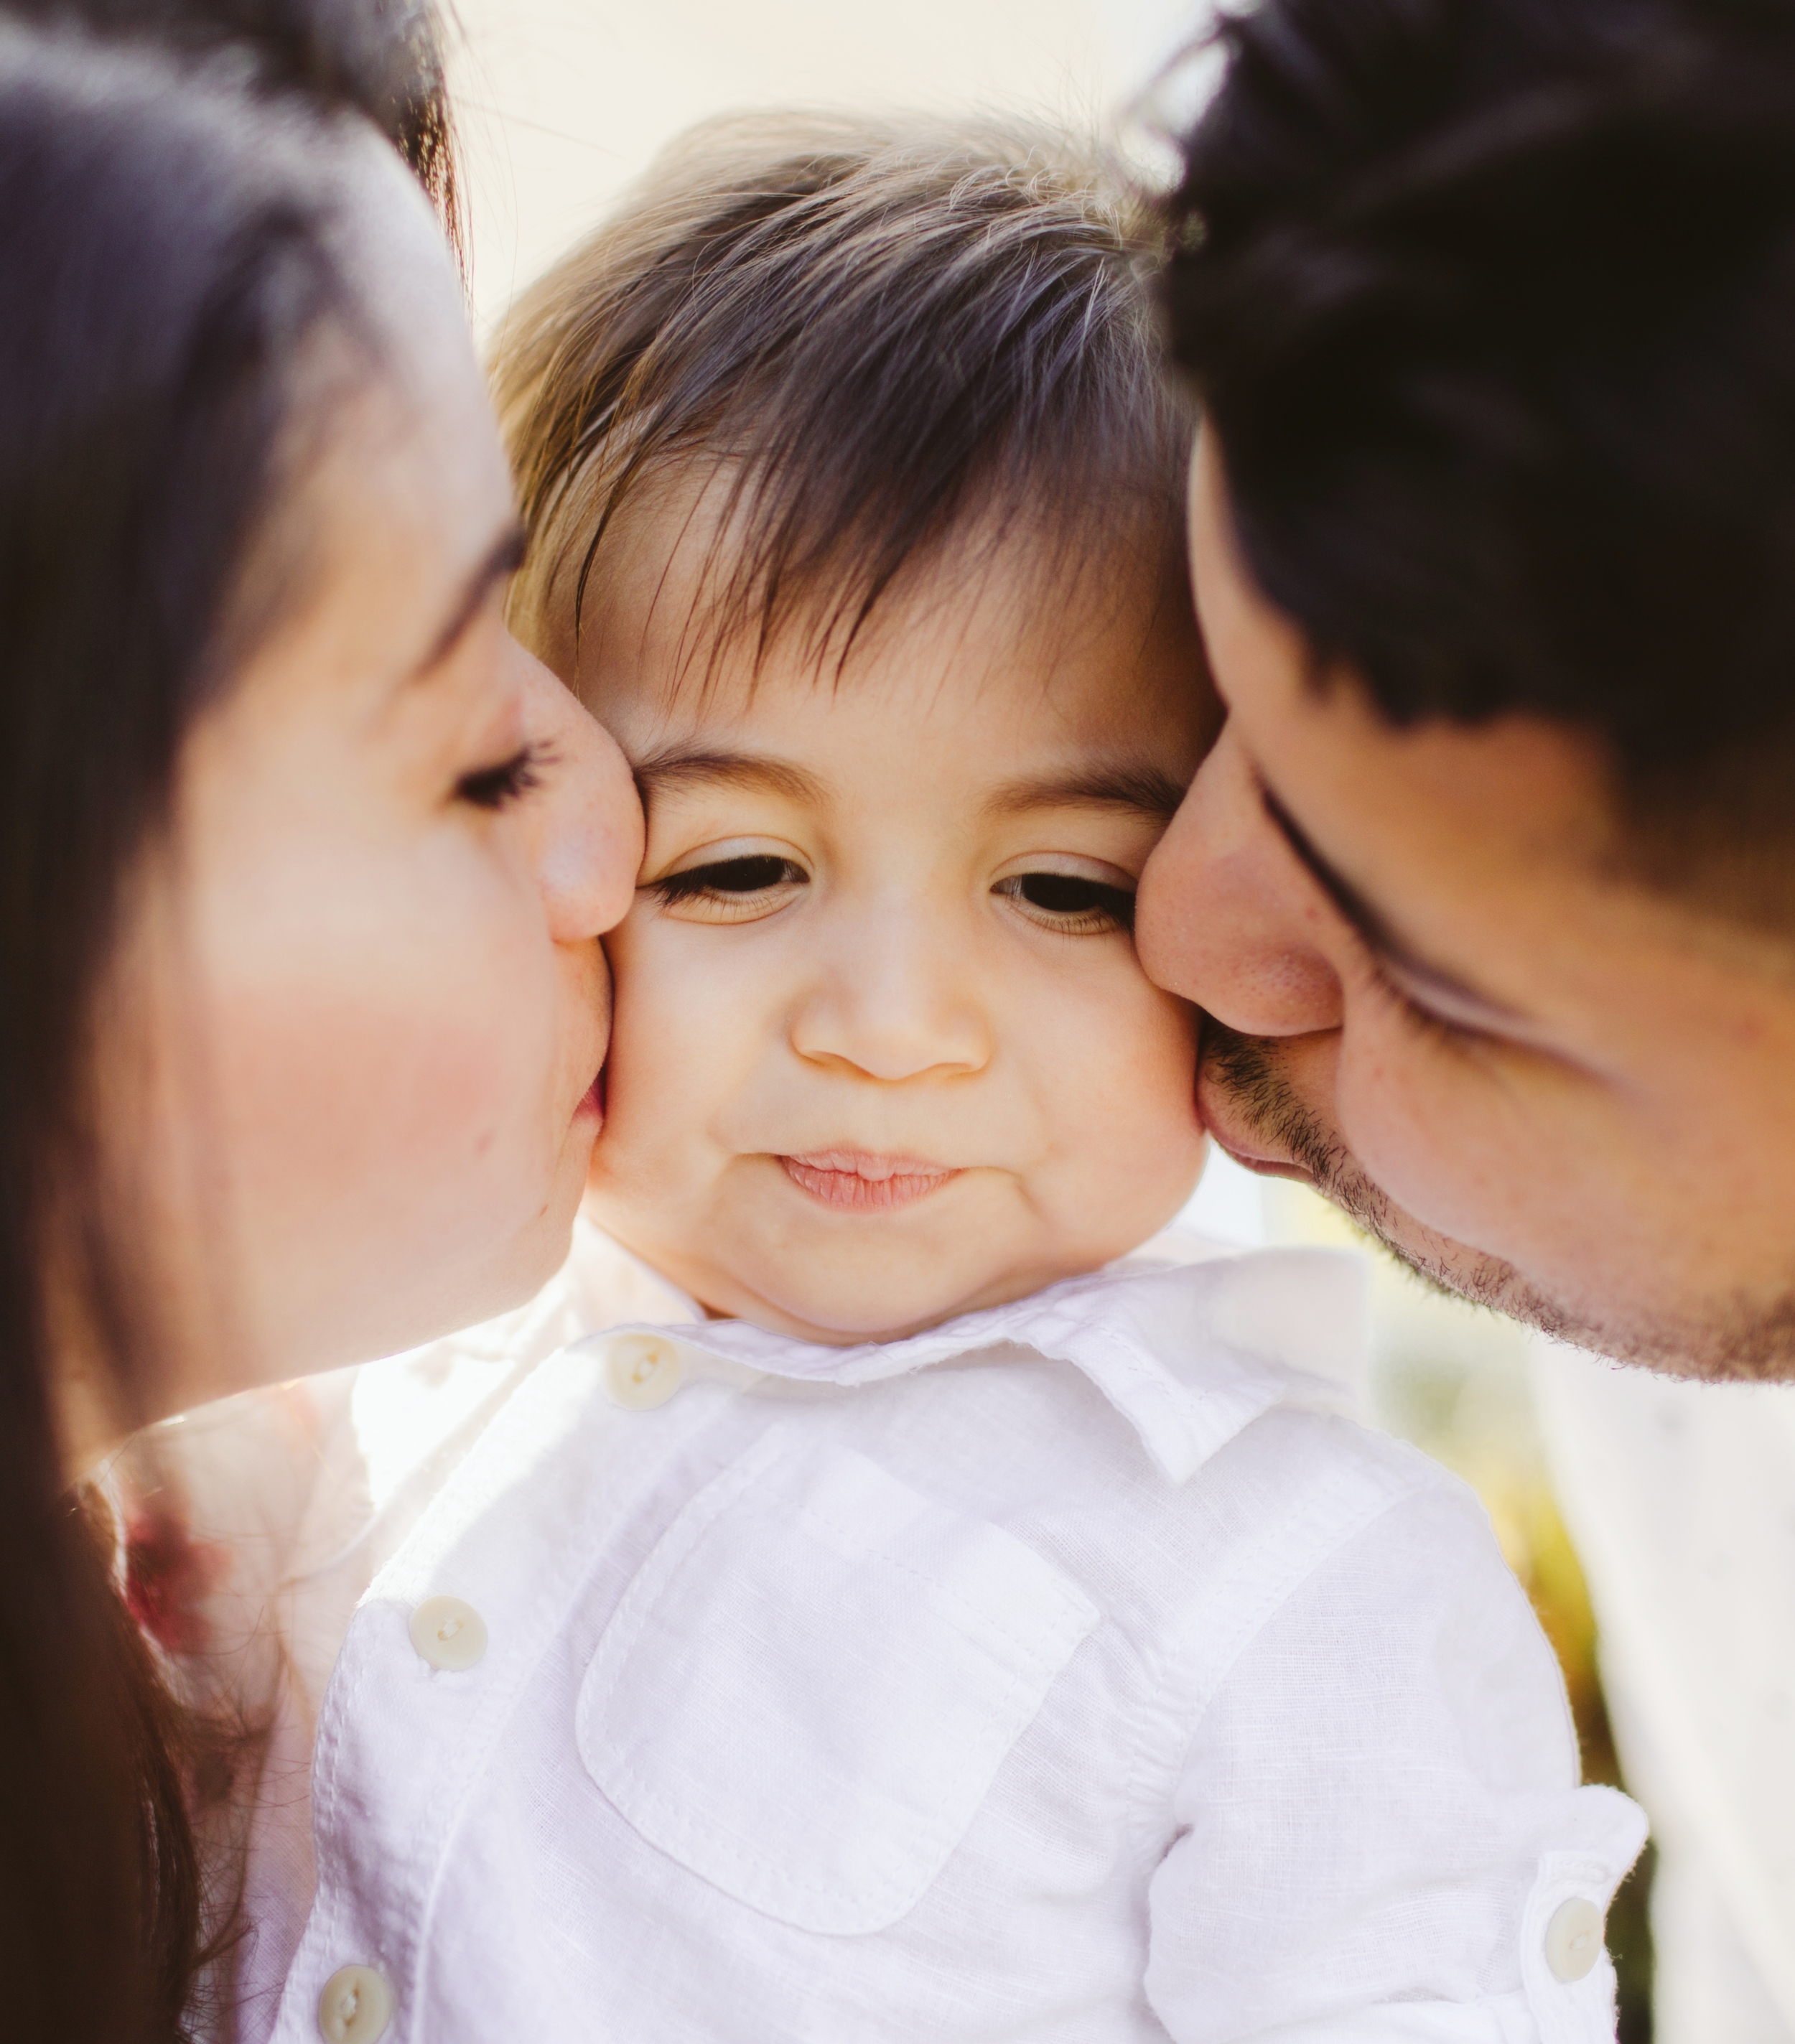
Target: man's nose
895,996
587,832
1228,917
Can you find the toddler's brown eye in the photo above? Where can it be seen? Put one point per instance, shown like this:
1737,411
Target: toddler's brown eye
1074,898
754,875
746,876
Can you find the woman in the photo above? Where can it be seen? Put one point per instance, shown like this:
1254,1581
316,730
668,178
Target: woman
383,58
302,871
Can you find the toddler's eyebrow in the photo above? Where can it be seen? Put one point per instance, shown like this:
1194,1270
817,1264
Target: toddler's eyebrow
686,767
1144,788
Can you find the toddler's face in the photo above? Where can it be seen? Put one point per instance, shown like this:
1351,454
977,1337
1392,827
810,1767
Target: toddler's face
882,1053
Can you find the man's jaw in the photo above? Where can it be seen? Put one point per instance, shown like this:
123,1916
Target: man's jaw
1254,1112
1248,1103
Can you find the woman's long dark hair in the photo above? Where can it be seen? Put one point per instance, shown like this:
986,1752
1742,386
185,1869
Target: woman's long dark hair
385,58
165,249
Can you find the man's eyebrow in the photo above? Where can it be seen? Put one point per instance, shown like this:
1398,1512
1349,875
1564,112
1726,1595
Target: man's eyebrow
692,767
1145,790
1372,926
501,559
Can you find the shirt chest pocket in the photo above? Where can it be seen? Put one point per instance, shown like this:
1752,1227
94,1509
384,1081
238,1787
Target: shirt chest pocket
808,1689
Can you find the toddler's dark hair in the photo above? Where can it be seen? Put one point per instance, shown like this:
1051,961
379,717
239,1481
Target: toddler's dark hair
884,331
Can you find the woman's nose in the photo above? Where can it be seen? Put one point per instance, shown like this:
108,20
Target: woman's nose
894,997
586,847
1228,917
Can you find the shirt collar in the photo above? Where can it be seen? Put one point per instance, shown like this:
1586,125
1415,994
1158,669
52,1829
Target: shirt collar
1190,1352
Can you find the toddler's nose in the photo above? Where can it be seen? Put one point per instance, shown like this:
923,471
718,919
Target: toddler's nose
894,1006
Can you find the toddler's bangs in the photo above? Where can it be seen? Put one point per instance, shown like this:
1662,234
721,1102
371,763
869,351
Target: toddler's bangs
870,337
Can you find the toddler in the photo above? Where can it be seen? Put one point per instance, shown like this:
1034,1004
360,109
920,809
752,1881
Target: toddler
885,1600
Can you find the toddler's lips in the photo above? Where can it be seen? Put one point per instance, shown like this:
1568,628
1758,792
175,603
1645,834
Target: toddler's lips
859,1180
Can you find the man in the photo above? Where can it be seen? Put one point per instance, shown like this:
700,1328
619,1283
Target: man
1490,884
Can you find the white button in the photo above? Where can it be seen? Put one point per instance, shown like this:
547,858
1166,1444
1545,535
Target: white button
448,1633
356,2007
642,1371
1574,1939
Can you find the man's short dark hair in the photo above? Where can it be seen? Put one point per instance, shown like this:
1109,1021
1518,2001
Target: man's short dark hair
1491,305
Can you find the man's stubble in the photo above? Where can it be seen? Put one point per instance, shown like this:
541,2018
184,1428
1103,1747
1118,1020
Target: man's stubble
1740,1339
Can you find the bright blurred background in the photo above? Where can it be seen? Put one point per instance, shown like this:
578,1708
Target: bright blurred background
561,103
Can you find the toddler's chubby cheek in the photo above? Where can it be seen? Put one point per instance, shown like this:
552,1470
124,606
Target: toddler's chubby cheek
748,1237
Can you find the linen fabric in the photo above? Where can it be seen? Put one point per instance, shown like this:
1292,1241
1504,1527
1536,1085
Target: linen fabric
1075,1672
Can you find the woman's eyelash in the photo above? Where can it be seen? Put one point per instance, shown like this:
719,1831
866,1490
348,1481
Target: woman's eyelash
495,787
753,874
1074,898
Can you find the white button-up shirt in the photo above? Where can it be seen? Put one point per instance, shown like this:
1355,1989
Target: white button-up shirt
1074,1671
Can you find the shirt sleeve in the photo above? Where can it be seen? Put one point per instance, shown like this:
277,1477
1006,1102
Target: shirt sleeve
1381,1838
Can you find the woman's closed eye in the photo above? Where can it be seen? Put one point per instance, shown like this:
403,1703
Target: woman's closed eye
730,890
1073,902
497,786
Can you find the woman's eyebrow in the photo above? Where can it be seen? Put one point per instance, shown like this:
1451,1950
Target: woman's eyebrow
1145,790
501,560
1374,927
689,766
